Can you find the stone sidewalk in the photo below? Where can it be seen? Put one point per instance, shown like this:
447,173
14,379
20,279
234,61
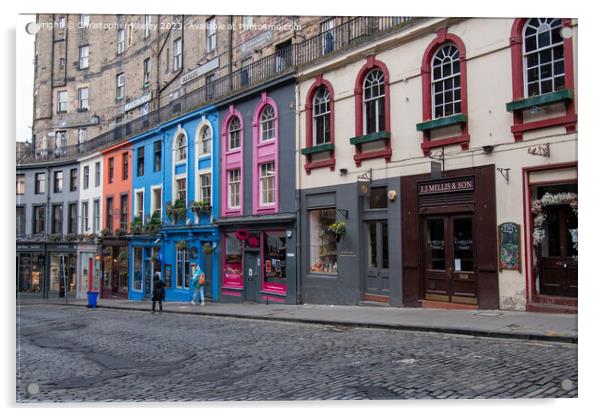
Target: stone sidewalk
494,323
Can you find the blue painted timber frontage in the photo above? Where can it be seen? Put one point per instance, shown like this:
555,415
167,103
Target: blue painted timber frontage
175,161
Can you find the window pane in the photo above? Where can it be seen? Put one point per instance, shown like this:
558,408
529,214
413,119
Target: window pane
274,257
435,243
463,246
323,245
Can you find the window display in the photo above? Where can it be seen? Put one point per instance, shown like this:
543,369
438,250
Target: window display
274,260
323,244
232,261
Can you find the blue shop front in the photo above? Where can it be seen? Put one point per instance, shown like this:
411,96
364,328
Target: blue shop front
175,201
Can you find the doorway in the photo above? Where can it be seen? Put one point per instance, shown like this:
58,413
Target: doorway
377,258
449,259
252,274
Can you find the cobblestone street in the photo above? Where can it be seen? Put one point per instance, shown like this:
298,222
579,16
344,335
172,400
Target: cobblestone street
78,354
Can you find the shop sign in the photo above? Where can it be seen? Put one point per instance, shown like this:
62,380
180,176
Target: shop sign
29,247
199,71
62,247
509,246
255,42
138,102
455,185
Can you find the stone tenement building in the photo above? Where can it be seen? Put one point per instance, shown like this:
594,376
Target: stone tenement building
96,72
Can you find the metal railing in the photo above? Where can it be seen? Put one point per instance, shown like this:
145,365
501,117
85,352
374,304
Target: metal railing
352,34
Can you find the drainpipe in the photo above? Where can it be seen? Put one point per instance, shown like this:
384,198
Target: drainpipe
299,297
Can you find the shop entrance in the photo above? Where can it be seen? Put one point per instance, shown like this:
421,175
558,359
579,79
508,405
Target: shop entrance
377,261
252,274
148,278
449,259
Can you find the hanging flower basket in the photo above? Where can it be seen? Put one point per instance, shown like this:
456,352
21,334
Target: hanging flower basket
199,207
339,229
539,221
182,245
207,248
177,211
242,234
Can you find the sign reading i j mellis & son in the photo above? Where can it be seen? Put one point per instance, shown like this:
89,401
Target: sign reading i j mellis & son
451,185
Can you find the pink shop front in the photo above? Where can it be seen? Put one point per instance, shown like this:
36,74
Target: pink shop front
259,263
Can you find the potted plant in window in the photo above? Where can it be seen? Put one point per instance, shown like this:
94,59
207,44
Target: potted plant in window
104,233
200,206
153,225
339,229
176,211
182,245
137,226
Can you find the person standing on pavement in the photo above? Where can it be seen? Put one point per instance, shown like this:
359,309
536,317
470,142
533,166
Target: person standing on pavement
198,286
158,292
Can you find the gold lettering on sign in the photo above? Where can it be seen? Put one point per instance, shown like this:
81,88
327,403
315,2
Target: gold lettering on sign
450,186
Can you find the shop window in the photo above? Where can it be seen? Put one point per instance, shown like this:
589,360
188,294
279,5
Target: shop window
62,273
232,261
274,260
31,272
137,269
323,245
182,268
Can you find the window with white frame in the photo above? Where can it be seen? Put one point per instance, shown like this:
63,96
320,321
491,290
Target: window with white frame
267,177
84,54
62,22
234,188
181,147
147,72
445,82
97,174
137,269
181,189
321,116
543,54
62,102
139,208
156,201
211,34
120,89
234,134
326,28
267,123
374,101
148,24
84,21
205,181
82,99
85,225
182,266
96,213
120,41
177,54
206,140
60,140
86,177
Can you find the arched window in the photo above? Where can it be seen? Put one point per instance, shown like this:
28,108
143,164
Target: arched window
234,134
374,101
181,147
267,123
321,116
543,56
445,82
206,140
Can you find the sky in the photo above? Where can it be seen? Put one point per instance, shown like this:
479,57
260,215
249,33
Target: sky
24,85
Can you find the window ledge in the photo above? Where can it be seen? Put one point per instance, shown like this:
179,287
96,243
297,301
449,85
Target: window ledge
325,147
540,100
372,137
442,122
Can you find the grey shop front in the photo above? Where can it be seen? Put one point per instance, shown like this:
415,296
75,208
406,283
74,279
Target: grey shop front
362,266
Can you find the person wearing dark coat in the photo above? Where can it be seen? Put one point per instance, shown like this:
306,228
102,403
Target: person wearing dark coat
158,293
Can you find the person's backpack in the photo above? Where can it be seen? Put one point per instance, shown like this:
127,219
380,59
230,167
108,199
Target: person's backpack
202,279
